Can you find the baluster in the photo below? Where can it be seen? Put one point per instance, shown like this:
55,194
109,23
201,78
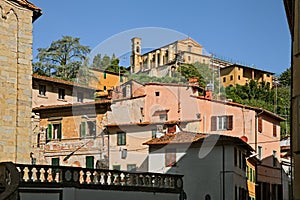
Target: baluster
102,178
21,170
107,178
33,174
95,178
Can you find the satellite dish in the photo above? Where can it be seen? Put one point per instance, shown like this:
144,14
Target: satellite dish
244,138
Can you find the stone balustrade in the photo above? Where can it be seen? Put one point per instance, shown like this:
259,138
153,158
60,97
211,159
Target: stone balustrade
62,176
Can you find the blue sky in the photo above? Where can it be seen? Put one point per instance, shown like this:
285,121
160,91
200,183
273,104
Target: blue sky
251,32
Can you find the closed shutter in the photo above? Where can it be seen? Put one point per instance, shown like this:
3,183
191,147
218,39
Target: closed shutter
213,123
89,162
82,129
49,132
229,122
274,130
59,131
260,124
55,161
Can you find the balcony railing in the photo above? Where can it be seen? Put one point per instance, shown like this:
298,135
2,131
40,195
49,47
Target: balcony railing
62,176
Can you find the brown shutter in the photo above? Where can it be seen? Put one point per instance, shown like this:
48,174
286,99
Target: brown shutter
274,131
229,122
260,124
213,123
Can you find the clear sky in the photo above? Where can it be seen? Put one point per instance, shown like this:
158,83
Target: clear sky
251,32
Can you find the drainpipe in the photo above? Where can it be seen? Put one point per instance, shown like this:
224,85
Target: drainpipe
223,168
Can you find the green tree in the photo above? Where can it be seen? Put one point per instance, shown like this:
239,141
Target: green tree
62,59
285,77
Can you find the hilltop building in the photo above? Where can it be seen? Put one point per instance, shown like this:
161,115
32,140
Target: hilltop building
16,21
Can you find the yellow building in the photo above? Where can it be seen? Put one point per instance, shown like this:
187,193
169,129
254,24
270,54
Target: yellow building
251,177
239,74
105,81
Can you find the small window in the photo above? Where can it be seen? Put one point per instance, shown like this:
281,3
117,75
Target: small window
42,90
163,117
91,128
157,94
154,131
61,93
239,77
189,58
55,161
89,162
53,131
274,158
121,78
80,97
121,138
104,75
221,123
170,157
189,48
260,126
274,130
104,88
224,79
131,167
116,167
231,77
259,152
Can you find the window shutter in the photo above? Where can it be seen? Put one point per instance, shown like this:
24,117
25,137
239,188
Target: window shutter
260,124
213,123
49,132
89,162
82,129
274,131
59,131
229,122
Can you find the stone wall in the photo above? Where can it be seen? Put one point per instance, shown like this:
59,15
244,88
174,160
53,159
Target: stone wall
15,82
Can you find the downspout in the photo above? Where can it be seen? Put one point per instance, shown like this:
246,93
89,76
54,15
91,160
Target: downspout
223,168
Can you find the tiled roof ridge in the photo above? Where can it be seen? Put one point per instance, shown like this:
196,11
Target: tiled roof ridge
28,4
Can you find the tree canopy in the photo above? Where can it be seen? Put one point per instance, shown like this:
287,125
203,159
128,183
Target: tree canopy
62,59
107,63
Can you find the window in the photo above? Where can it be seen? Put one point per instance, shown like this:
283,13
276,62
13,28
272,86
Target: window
104,88
104,75
55,161
170,157
221,122
231,77
116,167
224,79
53,131
235,157
131,167
154,131
274,158
260,127
61,93
239,77
42,90
157,94
259,152
79,97
121,78
274,130
121,138
189,58
189,48
89,162
87,128
163,117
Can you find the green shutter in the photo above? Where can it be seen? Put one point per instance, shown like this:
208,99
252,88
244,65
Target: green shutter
89,162
55,161
59,131
49,132
104,75
82,129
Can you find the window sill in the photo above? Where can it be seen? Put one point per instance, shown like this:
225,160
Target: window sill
42,96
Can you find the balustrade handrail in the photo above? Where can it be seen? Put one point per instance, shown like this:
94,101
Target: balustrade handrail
32,175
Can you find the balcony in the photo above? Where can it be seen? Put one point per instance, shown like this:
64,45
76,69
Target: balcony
45,176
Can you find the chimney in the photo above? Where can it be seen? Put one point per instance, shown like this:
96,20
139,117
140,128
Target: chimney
209,91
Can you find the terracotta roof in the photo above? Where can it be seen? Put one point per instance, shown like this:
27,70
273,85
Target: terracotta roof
36,10
181,137
190,137
98,102
57,80
242,66
243,106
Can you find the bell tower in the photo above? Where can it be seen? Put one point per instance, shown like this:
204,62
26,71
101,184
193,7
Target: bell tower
136,57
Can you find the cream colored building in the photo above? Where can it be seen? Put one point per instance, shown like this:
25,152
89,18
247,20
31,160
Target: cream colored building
162,61
16,21
239,74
